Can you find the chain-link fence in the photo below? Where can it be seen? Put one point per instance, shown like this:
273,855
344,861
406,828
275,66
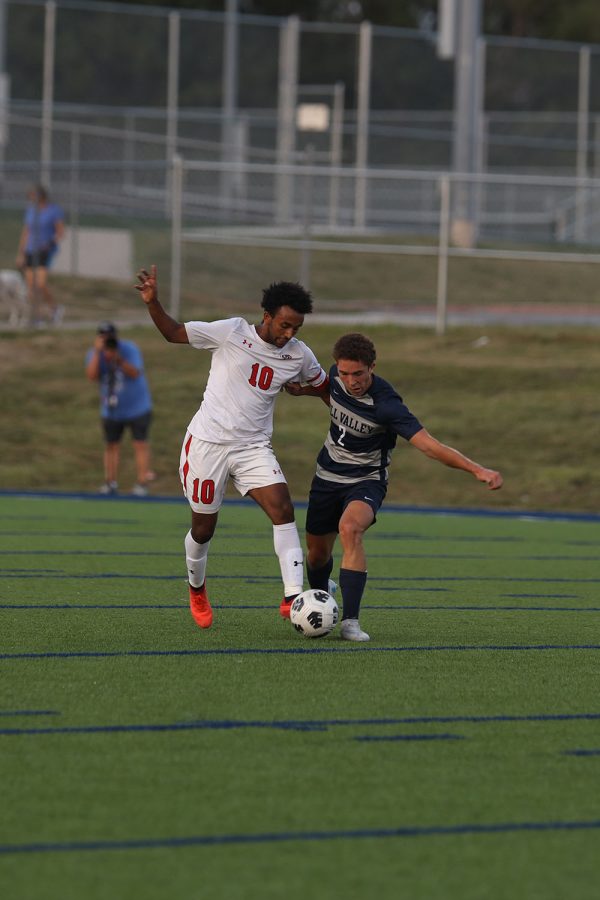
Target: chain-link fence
232,86
298,144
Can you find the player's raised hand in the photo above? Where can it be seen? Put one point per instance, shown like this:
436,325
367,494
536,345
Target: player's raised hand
148,284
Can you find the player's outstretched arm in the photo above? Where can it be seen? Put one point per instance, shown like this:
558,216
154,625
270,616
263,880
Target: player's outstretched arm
296,389
433,448
172,331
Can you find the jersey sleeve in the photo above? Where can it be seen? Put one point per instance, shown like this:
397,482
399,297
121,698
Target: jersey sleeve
312,372
398,418
209,335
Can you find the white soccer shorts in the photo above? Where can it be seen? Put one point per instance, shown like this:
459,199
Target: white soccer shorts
205,469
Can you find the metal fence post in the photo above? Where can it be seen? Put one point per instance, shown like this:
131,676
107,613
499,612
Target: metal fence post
176,223
336,149
362,122
48,91
230,102
304,276
443,240
172,98
583,127
286,114
74,189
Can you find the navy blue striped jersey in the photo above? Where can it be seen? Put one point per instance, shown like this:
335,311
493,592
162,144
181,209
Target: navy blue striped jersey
363,431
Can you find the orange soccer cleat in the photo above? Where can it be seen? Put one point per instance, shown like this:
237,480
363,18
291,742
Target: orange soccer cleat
285,606
200,607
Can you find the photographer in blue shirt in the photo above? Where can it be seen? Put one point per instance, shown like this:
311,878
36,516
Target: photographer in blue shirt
118,366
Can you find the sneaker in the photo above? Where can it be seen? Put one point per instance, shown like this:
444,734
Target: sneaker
200,607
108,489
139,490
332,587
58,315
351,631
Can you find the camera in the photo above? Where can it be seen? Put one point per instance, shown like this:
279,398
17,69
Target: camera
110,342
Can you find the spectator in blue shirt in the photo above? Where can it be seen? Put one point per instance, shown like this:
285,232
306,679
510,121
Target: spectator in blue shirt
118,366
43,229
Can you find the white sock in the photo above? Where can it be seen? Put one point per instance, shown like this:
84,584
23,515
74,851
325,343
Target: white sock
195,557
291,561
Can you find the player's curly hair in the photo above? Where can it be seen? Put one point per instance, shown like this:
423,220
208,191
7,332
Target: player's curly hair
286,293
356,347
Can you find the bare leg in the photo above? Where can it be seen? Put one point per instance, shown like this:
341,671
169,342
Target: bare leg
32,295
141,450
41,277
111,462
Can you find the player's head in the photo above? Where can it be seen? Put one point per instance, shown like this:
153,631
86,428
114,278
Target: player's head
355,357
286,293
356,347
285,304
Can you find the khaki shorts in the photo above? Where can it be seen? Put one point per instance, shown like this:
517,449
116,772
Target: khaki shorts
205,469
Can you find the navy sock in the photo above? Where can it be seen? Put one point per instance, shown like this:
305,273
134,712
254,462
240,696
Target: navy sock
352,586
319,578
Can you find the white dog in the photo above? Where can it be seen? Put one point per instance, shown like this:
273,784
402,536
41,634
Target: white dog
13,297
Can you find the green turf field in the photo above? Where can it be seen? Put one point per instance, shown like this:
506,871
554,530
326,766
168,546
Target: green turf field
455,756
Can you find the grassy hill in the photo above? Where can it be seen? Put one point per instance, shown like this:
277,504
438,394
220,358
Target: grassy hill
525,401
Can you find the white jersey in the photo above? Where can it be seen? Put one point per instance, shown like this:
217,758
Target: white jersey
245,377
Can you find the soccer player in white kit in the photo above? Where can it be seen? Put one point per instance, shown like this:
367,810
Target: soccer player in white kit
230,435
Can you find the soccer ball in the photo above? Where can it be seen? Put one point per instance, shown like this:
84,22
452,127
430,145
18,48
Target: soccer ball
314,613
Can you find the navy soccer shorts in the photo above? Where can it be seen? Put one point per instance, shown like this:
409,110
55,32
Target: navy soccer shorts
328,500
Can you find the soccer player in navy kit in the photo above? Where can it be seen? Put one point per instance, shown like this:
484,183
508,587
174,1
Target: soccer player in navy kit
350,483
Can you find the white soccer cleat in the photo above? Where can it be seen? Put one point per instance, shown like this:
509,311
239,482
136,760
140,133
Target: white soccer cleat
332,587
351,631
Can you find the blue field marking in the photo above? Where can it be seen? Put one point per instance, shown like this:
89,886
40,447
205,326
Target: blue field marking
400,536
423,607
28,712
256,579
179,500
409,737
298,651
96,534
582,752
230,607
544,596
97,606
95,552
310,725
412,589
278,837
